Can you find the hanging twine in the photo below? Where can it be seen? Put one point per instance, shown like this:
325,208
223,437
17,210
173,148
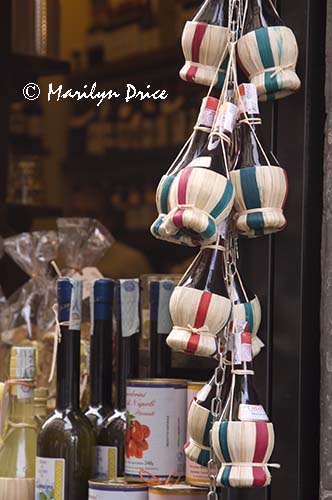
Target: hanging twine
57,338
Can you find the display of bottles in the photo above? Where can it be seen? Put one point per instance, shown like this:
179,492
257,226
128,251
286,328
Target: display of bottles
250,153
101,352
40,404
213,12
111,439
19,430
242,403
66,440
260,14
199,137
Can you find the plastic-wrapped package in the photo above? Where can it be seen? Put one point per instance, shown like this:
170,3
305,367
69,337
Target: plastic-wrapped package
83,242
28,313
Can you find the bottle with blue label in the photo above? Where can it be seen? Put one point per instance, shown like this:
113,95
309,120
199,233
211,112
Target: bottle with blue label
66,440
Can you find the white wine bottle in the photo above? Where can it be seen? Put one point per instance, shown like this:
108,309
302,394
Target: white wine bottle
66,440
18,447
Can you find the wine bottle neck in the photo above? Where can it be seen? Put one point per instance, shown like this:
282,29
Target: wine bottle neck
127,352
261,14
213,12
101,377
68,370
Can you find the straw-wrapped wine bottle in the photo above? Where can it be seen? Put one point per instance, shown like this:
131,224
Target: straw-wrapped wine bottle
243,438
201,195
204,43
19,440
190,152
261,185
268,51
199,306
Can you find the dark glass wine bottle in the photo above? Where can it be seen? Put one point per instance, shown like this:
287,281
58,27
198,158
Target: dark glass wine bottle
66,440
200,135
260,14
215,156
101,352
242,403
250,153
111,439
160,326
213,12
208,271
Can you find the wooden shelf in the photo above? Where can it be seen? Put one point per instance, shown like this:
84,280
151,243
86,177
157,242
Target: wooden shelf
123,164
144,66
26,65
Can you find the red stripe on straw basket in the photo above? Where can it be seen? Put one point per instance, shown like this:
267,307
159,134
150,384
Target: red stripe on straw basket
195,49
286,195
202,311
262,441
182,196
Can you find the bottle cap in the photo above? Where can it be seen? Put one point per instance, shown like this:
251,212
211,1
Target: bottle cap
247,99
101,300
103,290
69,294
22,363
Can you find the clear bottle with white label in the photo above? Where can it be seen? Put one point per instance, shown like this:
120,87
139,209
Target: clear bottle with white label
242,402
19,441
66,440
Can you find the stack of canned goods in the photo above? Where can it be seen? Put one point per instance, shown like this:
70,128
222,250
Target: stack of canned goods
119,489
155,436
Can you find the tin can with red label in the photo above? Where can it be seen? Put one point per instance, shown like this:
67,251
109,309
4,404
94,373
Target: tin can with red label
117,490
196,475
156,428
177,492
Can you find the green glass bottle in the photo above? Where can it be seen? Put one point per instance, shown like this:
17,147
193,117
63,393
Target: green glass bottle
18,446
66,440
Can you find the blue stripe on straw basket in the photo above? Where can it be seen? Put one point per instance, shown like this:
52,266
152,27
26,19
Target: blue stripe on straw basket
208,426
225,452
157,224
210,230
266,55
203,458
251,197
249,315
164,193
224,201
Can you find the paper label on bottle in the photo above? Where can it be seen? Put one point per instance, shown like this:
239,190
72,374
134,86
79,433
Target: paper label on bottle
227,117
89,274
164,325
252,413
248,101
25,363
75,314
118,493
106,462
24,392
201,161
50,479
206,117
130,320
